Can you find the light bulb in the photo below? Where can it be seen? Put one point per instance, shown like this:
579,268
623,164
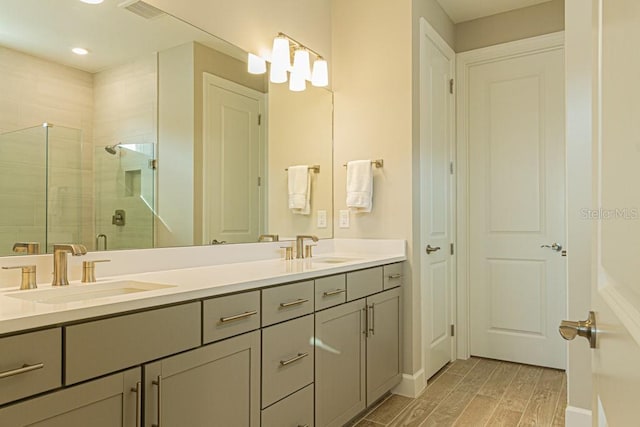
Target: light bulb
256,65
301,63
297,82
79,51
280,60
320,75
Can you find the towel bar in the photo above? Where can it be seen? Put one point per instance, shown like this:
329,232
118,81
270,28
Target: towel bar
377,163
313,168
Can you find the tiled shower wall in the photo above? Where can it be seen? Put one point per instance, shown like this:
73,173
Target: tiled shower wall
126,112
35,91
116,105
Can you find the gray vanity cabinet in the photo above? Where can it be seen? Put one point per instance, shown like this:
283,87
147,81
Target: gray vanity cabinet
340,363
218,384
358,356
383,344
106,402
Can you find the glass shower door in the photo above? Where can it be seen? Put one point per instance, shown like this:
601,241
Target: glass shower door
23,188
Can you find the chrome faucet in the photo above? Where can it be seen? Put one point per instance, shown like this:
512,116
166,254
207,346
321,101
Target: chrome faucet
300,244
60,261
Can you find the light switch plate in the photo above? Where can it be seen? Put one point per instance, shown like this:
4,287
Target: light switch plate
322,219
344,218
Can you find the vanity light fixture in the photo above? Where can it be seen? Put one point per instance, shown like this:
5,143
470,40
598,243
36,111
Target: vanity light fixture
92,1
281,69
79,51
257,65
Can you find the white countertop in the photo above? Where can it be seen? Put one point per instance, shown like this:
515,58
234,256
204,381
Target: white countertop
187,284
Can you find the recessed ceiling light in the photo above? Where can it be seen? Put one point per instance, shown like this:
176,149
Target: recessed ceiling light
79,51
92,1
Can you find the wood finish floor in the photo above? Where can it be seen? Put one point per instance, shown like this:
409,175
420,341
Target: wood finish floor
479,392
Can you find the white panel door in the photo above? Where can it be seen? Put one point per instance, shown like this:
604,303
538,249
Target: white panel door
231,161
436,194
516,205
616,288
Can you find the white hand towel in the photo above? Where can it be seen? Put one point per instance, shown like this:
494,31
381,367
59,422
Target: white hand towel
299,189
359,185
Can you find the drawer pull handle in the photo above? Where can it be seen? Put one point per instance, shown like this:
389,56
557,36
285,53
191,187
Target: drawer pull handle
394,276
292,303
293,359
336,292
300,425
18,371
238,316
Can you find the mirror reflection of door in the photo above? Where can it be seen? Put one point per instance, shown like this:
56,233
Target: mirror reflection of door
232,161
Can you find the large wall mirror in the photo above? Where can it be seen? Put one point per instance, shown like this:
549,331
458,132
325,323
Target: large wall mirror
156,137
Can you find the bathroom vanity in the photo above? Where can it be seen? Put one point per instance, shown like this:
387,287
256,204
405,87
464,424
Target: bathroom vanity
259,343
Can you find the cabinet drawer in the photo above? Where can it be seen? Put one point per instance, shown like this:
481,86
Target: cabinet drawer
392,275
294,411
364,282
102,346
286,302
30,363
287,358
231,315
330,291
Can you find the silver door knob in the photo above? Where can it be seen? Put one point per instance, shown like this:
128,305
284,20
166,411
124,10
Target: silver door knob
430,249
585,328
555,247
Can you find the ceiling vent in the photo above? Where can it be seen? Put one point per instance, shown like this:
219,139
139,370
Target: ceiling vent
142,9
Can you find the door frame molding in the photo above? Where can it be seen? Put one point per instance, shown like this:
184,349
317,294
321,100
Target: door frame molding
208,78
427,31
466,61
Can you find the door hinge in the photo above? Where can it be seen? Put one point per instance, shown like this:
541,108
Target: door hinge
259,119
153,164
451,249
451,86
259,181
451,168
453,330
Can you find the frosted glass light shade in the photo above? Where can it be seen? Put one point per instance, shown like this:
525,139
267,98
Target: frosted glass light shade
256,65
301,63
297,82
320,75
280,60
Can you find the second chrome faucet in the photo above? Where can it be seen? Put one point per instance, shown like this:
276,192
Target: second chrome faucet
60,251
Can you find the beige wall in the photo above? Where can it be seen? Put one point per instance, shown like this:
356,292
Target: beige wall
300,133
579,77
372,57
543,18
252,24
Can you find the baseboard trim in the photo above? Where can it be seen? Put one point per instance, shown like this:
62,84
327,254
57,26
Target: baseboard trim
577,417
411,385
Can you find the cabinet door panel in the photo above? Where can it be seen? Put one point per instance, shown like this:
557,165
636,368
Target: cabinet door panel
107,402
383,345
219,382
340,363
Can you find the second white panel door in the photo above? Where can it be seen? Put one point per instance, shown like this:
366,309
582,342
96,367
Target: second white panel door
516,205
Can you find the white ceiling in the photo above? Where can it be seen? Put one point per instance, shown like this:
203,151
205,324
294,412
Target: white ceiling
113,35
466,10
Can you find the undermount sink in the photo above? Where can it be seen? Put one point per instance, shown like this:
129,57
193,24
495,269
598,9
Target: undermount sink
86,292
335,260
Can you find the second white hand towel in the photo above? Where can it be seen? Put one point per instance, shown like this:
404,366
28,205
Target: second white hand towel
299,189
360,185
